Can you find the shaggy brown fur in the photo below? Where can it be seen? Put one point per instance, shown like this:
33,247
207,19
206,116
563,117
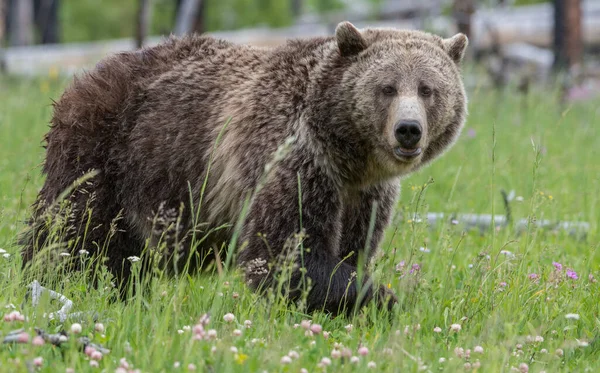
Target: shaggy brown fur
148,122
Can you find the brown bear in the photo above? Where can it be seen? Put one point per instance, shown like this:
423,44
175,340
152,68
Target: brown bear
290,149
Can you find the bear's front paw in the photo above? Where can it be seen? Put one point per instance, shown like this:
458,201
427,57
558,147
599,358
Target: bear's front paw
386,298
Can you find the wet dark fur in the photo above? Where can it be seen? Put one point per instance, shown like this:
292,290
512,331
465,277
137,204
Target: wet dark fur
148,120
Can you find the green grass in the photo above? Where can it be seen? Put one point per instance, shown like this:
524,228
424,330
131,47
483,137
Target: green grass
545,152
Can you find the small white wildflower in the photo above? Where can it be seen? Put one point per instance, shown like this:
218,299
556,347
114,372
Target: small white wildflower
507,253
228,317
583,343
460,352
559,352
134,259
539,338
64,254
247,323
336,354
523,368
354,360
76,328
325,361
2,251
176,364
572,316
237,333
233,349
180,331
543,351
7,255
83,252
478,349
371,365
363,351
348,327
293,354
442,360
455,327
305,324
38,361
437,329
211,334
316,328
286,360
99,327
424,250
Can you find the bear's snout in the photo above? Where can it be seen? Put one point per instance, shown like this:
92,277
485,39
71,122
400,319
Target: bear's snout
408,133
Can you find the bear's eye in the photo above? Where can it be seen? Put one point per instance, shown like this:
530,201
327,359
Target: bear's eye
425,91
389,90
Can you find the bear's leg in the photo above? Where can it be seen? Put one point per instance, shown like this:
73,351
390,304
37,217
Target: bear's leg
91,220
274,217
356,226
357,217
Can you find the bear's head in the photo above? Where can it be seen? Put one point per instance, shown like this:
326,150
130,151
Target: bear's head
403,92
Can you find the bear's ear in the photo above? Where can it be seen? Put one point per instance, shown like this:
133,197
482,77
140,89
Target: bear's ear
456,47
349,39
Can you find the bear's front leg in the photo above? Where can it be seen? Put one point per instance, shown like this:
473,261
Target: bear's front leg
377,202
275,216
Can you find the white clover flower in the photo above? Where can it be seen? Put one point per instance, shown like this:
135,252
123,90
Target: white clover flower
76,328
228,317
285,360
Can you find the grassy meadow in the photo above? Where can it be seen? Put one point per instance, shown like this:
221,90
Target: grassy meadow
497,300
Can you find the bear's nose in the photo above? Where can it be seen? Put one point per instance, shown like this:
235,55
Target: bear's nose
408,133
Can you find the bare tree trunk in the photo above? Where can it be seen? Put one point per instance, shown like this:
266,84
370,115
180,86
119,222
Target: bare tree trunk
463,11
199,23
3,8
296,7
46,20
568,36
21,24
3,11
143,22
188,11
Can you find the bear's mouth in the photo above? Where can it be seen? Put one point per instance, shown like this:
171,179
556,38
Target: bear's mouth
407,154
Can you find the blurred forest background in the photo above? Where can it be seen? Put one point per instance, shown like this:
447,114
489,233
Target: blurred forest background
513,41
89,20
